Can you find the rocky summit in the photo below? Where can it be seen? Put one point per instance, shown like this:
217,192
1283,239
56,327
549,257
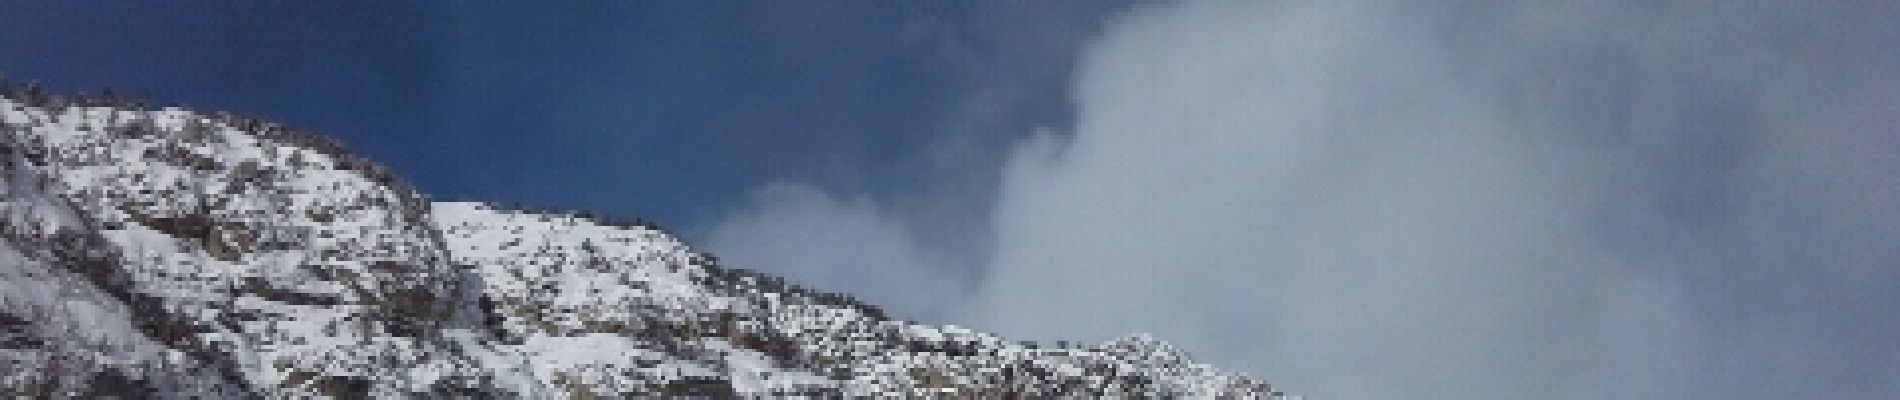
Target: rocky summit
166,253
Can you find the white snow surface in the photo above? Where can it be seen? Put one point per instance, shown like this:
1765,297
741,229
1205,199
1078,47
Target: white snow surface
171,253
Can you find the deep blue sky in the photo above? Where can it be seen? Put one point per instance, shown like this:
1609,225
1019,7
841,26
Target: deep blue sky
669,111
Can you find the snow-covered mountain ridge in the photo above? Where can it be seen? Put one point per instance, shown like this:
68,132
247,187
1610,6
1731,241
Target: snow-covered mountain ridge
160,252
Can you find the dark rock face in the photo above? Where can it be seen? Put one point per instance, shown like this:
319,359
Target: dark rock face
164,253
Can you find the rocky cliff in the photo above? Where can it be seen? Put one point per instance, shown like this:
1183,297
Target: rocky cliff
162,252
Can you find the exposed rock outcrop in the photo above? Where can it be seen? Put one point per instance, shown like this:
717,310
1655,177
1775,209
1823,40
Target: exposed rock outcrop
167,253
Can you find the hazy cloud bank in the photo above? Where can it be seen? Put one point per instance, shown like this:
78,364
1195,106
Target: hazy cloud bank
1389,200
850,245
1365,199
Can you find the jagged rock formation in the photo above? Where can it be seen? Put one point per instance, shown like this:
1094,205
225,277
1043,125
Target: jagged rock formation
166,253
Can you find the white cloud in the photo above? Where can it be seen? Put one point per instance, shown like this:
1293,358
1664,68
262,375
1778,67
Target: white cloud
1365,200
838,245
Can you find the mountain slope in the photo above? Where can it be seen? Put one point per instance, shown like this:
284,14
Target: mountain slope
167,253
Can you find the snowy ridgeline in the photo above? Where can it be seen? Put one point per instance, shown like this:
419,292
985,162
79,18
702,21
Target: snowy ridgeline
173,254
